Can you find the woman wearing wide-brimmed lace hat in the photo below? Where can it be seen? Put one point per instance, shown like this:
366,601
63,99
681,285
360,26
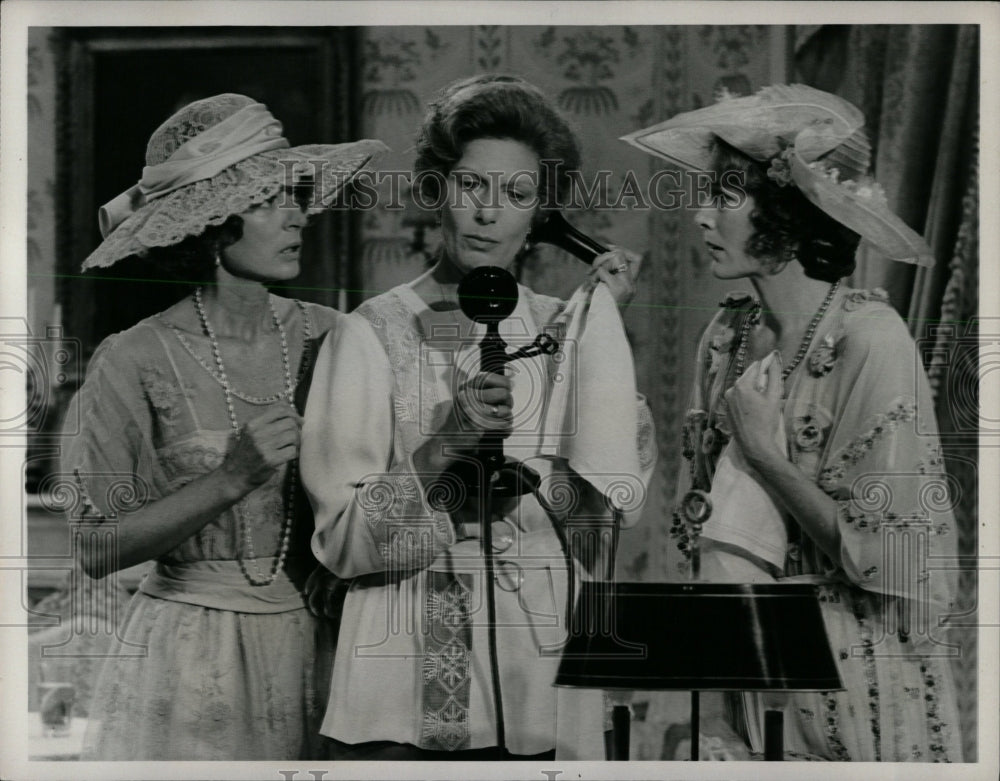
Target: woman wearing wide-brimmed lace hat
188,445
811,423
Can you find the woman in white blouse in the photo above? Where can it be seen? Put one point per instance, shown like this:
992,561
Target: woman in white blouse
397,398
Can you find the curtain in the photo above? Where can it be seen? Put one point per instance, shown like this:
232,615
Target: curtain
918,86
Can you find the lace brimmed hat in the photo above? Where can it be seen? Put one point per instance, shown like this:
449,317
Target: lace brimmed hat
212,159
813,140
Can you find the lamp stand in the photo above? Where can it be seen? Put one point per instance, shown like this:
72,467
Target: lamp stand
774,736
695,727
620,732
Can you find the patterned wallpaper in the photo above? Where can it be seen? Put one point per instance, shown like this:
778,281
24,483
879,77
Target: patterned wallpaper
41,196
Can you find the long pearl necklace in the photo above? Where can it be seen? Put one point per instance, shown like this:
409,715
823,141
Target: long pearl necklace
753,317
257,578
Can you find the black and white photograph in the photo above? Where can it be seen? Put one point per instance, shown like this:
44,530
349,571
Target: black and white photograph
514,390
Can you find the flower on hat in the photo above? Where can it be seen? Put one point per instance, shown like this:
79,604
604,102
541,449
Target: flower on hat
867,189
722,94
830,172
828,161
780,172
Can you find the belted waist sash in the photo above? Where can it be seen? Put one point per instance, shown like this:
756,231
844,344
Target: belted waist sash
222,585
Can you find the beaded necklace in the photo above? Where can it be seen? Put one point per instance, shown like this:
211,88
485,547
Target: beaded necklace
248,398
753,317
257,578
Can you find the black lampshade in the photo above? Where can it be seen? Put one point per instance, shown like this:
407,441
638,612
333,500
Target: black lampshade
698,636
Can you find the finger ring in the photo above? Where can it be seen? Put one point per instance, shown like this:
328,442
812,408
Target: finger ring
621,268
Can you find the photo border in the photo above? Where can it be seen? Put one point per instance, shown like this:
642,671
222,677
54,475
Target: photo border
18,15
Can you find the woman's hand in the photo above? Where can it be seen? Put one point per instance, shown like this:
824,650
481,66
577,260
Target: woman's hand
754,409
754,404
618,269
325,592
265,443
484,404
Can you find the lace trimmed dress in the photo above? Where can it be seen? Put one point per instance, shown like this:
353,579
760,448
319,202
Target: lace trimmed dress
412,662
859,422
205,666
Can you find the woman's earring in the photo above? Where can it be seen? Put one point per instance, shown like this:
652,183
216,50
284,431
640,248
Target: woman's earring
218,260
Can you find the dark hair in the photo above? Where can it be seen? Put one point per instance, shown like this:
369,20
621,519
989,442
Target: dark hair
786,223
192,259
494,106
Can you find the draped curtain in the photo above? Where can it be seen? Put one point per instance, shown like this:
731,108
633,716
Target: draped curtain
918,86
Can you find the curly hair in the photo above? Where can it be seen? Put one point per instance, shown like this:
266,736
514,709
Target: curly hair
501,107
193,259
786,224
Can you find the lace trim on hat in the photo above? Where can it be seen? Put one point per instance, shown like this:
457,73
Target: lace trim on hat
189,210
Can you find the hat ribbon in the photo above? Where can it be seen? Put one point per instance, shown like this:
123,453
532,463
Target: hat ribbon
248,132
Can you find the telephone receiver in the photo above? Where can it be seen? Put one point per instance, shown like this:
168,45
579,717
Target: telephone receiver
557,230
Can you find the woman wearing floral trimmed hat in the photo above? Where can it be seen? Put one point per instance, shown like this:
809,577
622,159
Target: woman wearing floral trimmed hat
188,445
811,424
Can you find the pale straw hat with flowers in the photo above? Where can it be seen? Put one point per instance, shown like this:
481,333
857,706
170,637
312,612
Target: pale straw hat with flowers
812,140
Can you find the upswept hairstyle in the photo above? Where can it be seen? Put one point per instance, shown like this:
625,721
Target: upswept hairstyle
501,107
786,224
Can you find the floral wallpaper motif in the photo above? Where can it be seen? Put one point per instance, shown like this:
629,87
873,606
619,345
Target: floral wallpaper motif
669,378
673,70
587,59
489,47
391,64
35,65
733,46
34,221
41,197
733,51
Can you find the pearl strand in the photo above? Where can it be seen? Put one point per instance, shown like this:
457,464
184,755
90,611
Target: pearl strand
257,578
754,316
